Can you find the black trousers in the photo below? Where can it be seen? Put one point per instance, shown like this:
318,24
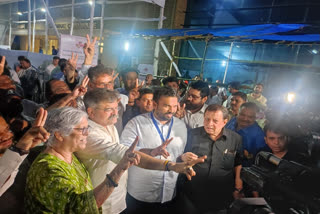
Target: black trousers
135,206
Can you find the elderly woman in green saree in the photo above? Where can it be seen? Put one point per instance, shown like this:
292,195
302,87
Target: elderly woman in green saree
57,182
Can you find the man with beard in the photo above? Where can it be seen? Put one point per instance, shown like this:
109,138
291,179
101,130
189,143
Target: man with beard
257,97
129,77
233,87
195,104
143,104
237,100
162,136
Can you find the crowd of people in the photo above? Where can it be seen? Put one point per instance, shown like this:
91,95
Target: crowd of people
104,142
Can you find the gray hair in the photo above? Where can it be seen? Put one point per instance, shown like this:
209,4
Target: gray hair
93,97
63,120
215,107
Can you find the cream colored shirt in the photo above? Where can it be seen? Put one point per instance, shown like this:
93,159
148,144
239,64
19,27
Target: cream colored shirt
102,153
260,101
195,120
9,167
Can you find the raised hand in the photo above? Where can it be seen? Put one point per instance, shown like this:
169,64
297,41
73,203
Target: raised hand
73,60
2,64
181,111
186,167
161,150
36,134
134,93
188,156
130,157
81,89
114,76
88,50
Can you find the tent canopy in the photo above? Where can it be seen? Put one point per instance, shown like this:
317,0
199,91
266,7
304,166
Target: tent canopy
272,32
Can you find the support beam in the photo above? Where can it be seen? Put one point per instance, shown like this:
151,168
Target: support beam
157,45
72,18
10,27
46,31
227,65
170,57
51,19
193,49
204,58
172,54
91,18
102,20
29,25
34,24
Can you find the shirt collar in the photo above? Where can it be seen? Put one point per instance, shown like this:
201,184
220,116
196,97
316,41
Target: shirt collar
158,122
224,133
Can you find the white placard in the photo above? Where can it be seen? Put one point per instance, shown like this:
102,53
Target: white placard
74,44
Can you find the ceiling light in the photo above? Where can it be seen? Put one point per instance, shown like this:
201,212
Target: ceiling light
43,10
19,13
314,51
90,2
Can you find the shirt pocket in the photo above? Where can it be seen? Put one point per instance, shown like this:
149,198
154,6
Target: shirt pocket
228,159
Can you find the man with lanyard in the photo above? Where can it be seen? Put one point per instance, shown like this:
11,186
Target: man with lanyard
162,136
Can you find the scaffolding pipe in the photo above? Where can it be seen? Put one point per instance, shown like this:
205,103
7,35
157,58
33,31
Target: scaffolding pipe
51,19
34,24
204,58
227,65
101,20
157,45
170,57
46,31
10,27
72,18
172,54
29,25
91,18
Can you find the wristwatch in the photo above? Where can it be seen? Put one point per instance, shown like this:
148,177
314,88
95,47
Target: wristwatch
18,150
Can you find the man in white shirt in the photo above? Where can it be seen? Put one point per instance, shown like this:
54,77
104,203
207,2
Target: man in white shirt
52,66
214,97
103,150
195,105
152,191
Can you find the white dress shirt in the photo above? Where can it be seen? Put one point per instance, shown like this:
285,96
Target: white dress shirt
151,185
195,120
50,68
9,167
101,155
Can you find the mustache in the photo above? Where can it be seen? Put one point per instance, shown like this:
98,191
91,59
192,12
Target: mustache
113,116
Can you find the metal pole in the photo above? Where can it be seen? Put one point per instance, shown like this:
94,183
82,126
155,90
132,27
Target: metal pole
101,21
46,31
10,27
51,19
204,58
172,54
29,25
72,17
297,54
157,45
34,24
170,57
227,65
91,18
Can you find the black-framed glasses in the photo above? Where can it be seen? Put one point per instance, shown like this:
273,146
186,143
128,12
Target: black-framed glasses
83,130
109,110
104,85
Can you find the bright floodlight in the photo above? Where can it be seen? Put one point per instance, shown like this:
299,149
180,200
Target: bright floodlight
126,46
90,2
19,13
223,63
43,10
314,51
291,97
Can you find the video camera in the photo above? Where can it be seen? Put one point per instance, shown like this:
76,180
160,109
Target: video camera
287,186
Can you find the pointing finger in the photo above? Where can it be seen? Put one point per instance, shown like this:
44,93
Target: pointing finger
38,120
133,145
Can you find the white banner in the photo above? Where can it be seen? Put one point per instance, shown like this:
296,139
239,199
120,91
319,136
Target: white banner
74,44
158,2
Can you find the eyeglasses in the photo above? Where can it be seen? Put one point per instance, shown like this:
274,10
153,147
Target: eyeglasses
104,85
83,130
194,97
109,110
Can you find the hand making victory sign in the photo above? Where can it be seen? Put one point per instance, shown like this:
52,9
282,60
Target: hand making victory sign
88,50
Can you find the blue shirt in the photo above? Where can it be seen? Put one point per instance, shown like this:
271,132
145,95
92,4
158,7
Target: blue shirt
123,91
252,140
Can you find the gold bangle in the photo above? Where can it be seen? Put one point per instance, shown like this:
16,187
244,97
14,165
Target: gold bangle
165,162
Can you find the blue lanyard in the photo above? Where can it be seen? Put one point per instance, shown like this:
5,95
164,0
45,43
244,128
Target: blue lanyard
158,129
